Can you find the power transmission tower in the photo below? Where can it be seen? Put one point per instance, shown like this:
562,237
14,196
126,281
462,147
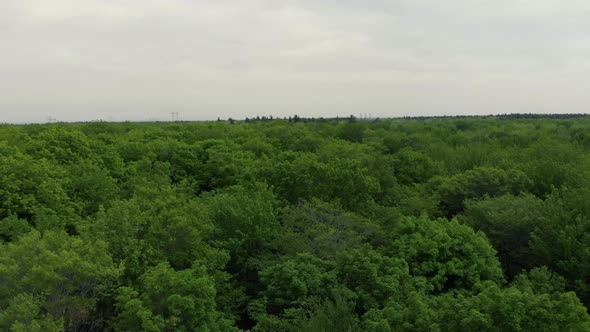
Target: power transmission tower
175,116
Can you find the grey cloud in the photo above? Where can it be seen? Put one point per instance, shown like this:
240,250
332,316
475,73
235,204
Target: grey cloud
84,59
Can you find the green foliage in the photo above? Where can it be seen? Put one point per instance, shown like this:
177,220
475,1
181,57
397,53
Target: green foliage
68,276
245,217
544,164
516,308
324,230
300,281
411,167
91,187
449,255
225,164
30,188
12,228
143,232
62,145
336,316
172,301
512,309
562,240
302,176
507,222
476,184
24,313
374,278
352,132
296,225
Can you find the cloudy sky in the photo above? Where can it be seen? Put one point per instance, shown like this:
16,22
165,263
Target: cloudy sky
143,59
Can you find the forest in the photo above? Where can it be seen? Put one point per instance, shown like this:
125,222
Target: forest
418,224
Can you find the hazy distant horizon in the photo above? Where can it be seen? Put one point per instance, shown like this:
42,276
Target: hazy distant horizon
187,117
82,60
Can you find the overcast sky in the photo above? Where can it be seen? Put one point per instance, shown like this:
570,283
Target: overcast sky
143,59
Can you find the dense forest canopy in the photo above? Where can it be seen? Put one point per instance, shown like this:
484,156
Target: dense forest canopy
429,224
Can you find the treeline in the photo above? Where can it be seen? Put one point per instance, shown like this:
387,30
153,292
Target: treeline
440,224
297,118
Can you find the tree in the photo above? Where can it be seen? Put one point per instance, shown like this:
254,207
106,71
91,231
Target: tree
12,228
323,230
411,167
171,300
372,277
245,218
158,225
63,145
91,187
300,225
476,184
24,313
302,176
332,315
57,274
35,190
507,221
530,304
562,240
352,131
449,255
299,282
